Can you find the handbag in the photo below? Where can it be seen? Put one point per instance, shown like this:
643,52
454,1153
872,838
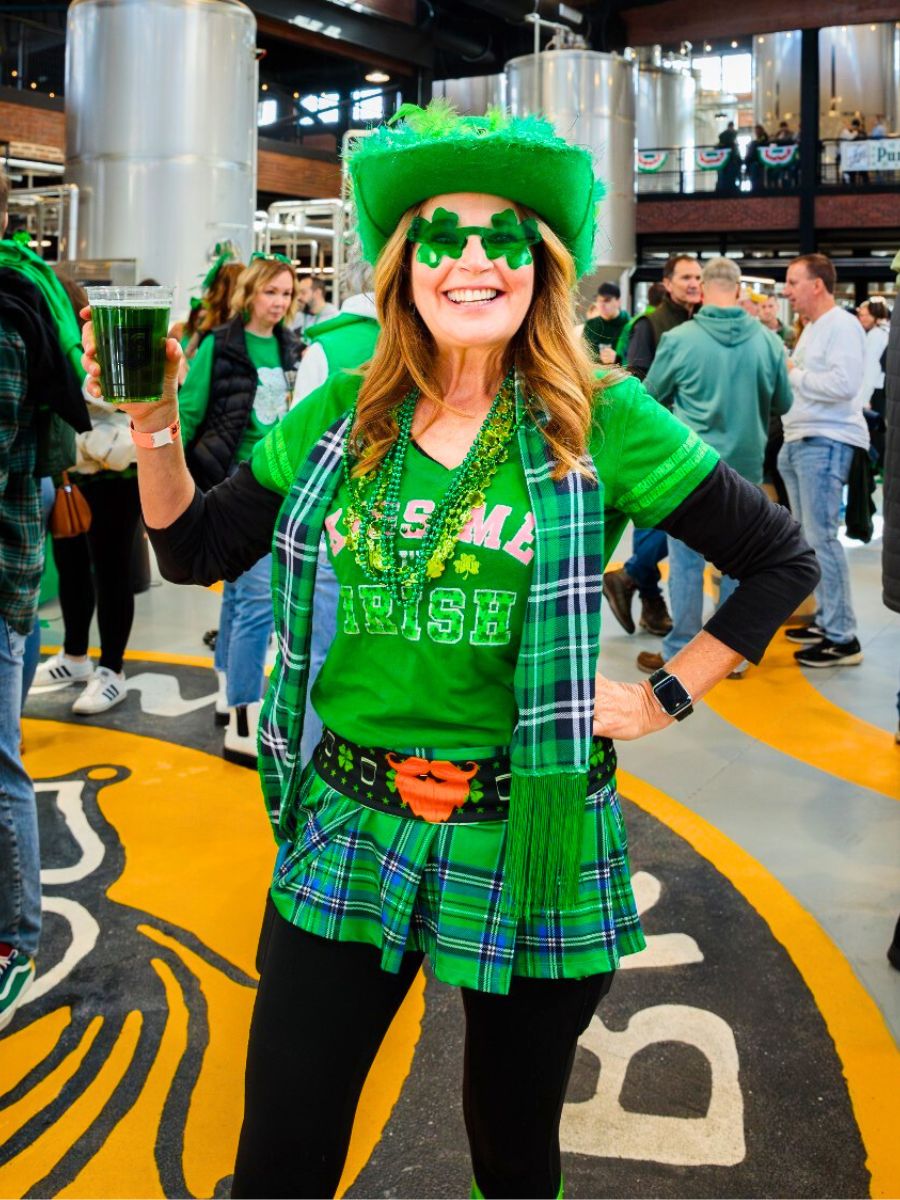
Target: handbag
71,514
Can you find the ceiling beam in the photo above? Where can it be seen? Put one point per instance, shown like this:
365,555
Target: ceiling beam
291,34
351,34
675,21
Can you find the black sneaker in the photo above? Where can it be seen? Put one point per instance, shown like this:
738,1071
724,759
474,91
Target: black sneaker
805,635
831,654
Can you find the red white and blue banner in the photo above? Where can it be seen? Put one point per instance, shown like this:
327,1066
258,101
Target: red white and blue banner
650,161
776,156
713,159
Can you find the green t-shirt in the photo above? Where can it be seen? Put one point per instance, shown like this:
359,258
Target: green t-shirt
442,678
269,403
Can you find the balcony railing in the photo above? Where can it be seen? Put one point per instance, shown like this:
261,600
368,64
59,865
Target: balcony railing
766,170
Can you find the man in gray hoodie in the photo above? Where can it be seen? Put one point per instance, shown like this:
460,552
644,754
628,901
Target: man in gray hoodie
722,374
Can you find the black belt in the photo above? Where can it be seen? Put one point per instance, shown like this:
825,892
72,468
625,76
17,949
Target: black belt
434,790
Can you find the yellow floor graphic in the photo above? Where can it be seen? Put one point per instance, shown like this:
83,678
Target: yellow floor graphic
198,856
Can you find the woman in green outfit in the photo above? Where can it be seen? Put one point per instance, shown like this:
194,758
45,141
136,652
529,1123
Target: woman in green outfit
461,803
236,391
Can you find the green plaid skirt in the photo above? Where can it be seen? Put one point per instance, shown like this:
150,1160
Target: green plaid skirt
355,874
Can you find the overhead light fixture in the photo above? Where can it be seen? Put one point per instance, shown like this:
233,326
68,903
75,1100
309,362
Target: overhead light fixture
707,47
378,76
264,87
34,87
15,74
52,95
734,45
296,95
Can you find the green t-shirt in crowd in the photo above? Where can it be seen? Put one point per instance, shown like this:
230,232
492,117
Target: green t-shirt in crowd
270,402
441,678
600,332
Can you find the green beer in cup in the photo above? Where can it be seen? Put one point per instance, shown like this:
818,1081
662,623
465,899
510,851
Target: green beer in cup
130,327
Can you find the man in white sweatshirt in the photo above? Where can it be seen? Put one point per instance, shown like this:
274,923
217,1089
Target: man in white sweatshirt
822,430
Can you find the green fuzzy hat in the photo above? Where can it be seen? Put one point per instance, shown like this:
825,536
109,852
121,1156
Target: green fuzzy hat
433,151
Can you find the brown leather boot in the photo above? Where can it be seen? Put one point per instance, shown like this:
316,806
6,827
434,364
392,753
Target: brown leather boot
655,617
619,589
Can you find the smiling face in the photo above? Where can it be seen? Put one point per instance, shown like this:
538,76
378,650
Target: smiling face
271,302
685,284
471,301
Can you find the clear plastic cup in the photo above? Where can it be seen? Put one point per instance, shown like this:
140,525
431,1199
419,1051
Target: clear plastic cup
130,328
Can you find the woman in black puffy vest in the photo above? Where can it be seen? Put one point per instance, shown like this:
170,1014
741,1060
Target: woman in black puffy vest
239,386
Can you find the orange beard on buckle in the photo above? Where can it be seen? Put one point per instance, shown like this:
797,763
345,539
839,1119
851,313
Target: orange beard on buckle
432,789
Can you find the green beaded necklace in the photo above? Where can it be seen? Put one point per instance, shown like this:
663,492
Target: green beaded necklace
373,515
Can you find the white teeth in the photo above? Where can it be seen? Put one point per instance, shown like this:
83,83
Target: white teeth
471,295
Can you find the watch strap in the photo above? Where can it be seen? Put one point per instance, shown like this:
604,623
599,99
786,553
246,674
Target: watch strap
160,437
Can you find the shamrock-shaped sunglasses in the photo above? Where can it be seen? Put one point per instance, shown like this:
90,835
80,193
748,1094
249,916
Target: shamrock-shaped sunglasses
444,237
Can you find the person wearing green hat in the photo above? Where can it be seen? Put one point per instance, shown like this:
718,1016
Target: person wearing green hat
461,804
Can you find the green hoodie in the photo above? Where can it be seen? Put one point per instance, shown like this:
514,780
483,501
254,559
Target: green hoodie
722,374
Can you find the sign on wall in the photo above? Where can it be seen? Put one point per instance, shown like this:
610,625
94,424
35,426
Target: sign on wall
874,154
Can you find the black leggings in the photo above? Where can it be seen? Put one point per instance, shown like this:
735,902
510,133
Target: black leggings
322,1010
115,511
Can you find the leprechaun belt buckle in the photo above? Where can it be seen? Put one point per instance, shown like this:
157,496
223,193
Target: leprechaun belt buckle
436,790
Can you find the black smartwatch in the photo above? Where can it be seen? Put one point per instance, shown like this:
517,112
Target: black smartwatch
673,696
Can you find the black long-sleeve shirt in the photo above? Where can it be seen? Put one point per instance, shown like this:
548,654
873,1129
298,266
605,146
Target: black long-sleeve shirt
727,520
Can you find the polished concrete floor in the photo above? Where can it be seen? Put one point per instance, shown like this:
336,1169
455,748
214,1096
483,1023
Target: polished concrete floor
751,1050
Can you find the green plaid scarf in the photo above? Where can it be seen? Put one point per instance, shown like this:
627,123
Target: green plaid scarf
554,677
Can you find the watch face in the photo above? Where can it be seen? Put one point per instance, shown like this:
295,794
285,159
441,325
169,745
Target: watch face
671,695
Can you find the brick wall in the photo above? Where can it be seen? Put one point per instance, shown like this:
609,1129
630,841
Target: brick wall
878,210
296,177
20,122
706,215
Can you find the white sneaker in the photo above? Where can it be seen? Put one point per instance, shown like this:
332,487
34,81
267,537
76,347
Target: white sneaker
59,670
104,690
240,736
222,710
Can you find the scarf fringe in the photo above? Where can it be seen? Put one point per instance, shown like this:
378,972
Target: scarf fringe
543,847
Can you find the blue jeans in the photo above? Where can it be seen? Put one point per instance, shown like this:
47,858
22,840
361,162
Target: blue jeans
324,628
814,471
245,625
20,859
686,568
649,547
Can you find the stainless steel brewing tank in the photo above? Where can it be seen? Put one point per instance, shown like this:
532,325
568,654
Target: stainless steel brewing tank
859,72
666,101
590,98
161,102
666,106
474,95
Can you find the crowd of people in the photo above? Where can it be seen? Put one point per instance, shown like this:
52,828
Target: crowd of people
789,408
450,399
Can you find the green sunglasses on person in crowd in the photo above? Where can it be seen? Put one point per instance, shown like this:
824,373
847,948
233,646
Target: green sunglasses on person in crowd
444,237
271,257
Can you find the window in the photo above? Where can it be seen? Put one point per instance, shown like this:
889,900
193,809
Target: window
737,74
267,112
725,73
368,104
324,106
710,69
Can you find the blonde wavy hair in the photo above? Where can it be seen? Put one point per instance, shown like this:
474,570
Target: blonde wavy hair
553,363
254,278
